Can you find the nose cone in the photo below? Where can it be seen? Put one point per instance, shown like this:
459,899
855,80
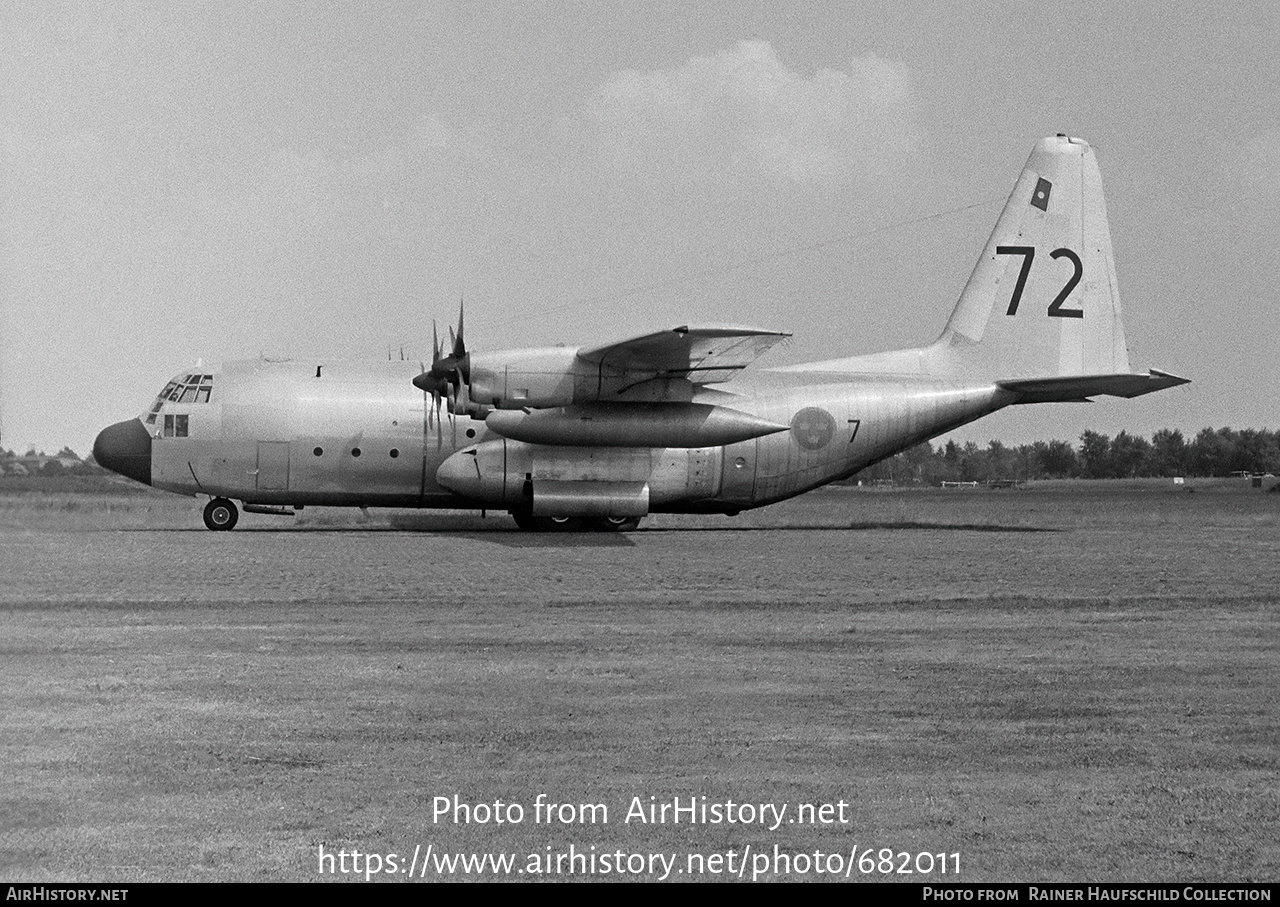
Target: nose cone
125,448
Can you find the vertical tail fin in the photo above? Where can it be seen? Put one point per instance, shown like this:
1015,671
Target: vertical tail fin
1042,301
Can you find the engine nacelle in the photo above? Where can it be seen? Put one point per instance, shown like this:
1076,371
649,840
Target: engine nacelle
555,377
534,378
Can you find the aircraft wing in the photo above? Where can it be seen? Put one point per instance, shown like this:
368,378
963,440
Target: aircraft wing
1080,389
703,355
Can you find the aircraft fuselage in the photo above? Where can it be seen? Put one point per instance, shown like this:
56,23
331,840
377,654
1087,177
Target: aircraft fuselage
288,433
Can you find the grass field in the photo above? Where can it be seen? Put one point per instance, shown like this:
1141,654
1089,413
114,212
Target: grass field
1072,681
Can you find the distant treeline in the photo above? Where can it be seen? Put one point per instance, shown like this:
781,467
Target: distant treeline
1212,452
33,463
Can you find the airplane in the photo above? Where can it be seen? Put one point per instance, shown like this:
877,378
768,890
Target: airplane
597,438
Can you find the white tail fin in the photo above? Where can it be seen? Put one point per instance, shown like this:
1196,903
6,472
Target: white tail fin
1042,301
1040,315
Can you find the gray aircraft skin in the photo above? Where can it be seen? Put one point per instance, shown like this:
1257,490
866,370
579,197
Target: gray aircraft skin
669,422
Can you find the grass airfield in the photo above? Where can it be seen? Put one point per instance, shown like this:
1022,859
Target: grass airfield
1066,681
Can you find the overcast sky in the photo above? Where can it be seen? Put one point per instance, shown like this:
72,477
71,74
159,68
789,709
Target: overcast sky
221,180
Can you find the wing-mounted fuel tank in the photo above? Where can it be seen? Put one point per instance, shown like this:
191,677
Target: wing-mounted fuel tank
580,481
632,425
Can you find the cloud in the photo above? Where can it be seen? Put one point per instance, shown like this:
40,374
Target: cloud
742,116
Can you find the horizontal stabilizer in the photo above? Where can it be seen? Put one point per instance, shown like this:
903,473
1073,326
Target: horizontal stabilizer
1079,388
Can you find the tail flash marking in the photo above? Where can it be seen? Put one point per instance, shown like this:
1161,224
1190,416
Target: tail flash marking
1040,197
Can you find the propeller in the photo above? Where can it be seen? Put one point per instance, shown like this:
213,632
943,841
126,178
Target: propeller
446,380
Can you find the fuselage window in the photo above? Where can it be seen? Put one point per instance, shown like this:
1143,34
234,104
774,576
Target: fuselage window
355,451
394,453
318,451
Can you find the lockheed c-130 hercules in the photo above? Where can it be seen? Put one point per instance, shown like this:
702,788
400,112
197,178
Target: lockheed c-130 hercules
599,437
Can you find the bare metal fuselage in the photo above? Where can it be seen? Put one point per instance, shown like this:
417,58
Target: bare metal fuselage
358,434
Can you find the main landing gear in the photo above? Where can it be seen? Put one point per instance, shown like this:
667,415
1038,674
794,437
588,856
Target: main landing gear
530,523
220,515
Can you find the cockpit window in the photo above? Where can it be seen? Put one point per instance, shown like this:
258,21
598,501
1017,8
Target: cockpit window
190,389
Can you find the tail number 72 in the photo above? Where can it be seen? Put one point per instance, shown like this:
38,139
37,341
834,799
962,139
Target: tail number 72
1055,308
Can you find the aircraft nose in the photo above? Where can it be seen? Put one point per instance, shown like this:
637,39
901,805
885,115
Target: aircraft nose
125,448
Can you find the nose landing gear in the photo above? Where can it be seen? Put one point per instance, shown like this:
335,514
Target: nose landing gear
220,515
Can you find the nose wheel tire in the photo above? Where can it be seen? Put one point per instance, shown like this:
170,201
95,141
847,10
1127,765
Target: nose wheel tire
220,515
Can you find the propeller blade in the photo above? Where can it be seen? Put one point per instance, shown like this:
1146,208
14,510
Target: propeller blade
453,418
447,378
429,380
459,348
